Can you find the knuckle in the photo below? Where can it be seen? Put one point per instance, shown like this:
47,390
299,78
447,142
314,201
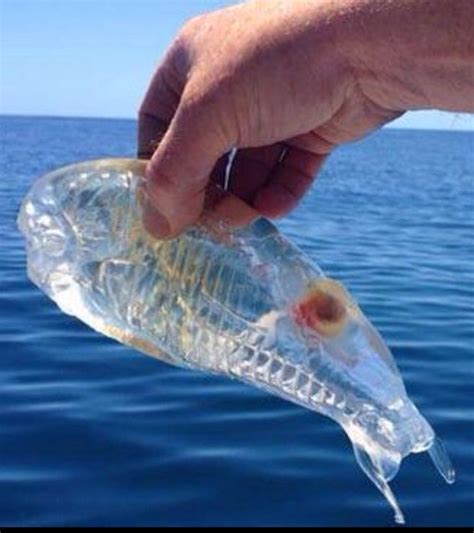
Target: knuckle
204,108
144,112
190,26
177,58
180,43
196,101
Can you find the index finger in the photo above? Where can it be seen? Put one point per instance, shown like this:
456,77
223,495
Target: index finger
160,102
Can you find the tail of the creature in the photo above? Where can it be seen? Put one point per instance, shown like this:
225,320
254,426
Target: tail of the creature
381,465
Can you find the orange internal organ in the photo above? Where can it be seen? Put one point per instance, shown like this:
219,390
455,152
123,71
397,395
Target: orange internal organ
323,309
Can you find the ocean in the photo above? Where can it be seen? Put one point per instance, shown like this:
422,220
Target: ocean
94,433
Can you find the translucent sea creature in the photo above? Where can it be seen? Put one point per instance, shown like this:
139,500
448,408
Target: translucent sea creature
246,303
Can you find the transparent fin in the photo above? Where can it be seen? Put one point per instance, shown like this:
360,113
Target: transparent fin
375,473
441,460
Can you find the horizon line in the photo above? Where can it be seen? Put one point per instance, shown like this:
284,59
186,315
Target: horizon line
84,117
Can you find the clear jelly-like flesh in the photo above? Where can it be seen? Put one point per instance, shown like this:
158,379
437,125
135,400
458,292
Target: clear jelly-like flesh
246,303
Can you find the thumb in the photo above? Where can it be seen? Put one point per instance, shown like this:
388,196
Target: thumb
180,168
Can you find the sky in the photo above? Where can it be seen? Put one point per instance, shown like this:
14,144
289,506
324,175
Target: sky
94,58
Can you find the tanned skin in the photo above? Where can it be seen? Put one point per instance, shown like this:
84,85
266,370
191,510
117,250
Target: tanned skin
284,82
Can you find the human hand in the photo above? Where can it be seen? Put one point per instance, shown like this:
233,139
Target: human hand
283,82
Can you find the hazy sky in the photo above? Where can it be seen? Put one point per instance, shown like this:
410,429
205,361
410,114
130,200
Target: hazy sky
95,57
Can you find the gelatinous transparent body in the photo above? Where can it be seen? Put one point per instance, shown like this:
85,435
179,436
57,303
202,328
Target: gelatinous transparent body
245,303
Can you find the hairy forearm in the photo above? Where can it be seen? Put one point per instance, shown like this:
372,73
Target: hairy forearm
413,54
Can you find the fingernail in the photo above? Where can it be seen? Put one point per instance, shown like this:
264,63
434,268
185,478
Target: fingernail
155,223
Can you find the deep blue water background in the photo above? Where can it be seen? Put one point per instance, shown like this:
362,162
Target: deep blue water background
92,432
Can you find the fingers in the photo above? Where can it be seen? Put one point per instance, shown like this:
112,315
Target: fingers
181,166
219,173
293,175
251,169
312,142
151,129
161,101
270,183
224,207
182,135
289,181
177,131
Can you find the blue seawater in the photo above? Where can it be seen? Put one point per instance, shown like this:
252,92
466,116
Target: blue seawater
93,433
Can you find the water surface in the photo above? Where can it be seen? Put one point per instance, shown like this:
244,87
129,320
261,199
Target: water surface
93,433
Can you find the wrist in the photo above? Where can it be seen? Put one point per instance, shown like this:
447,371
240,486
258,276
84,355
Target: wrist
412,54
